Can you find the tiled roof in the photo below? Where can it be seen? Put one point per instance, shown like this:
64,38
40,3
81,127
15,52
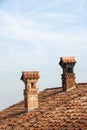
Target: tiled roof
68,59
58,110
30,75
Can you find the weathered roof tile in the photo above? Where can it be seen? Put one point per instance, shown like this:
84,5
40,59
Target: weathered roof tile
57,111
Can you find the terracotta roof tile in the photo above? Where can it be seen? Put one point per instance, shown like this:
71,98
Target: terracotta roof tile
30,75
68,59
57,111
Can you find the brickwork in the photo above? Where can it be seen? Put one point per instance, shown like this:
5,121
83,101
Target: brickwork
30,92
68,81
68,76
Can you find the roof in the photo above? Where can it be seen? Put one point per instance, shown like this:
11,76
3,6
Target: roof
58,110
30,75
70,59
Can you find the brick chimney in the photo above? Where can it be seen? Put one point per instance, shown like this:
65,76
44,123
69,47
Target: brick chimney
30,79
68,76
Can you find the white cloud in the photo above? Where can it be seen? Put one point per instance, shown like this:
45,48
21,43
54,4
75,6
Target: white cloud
46,5
29,30
63,17
45,43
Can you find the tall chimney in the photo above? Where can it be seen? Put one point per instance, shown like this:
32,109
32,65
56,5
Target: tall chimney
30,79
68,76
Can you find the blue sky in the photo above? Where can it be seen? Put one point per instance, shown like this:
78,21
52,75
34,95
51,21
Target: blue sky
34,34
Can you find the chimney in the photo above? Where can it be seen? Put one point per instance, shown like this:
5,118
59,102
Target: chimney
30,79
68,76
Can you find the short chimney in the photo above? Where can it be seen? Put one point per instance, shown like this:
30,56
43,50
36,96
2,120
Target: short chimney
30,79
68,76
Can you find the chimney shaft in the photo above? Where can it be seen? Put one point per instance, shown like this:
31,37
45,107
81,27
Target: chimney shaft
68,76
30,79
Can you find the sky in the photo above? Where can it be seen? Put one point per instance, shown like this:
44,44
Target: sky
34,34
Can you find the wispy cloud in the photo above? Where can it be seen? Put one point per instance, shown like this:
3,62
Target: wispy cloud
62,17
45,5
30,30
